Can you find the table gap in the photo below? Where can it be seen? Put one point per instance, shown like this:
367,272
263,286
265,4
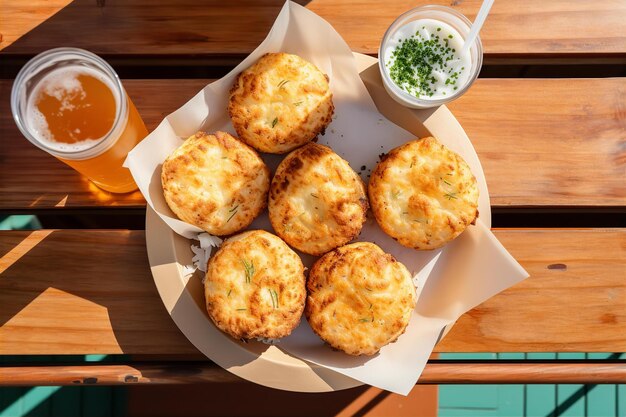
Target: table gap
502,217
183,68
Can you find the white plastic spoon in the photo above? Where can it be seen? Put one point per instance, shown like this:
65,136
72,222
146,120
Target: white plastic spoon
477,25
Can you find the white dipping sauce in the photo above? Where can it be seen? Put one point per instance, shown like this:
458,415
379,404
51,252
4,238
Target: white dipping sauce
427,62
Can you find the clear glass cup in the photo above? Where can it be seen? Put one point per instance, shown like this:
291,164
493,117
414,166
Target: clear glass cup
444,14
99,159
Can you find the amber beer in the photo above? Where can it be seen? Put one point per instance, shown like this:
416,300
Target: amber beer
70,103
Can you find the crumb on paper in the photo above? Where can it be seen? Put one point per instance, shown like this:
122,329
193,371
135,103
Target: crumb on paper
268,340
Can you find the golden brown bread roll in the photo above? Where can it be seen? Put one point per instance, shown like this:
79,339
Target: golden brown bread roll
254,286
280,103
359,298
423,194
215,182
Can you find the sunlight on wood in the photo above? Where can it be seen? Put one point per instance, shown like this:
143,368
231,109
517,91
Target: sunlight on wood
24,17
58,309
421,401
22,248
63,202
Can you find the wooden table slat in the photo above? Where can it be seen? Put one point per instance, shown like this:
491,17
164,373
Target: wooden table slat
568,135
203,372
213,29
79,292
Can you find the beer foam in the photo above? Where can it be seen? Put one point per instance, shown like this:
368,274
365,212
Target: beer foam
59,84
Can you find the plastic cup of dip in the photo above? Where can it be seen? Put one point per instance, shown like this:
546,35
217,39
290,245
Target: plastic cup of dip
420,57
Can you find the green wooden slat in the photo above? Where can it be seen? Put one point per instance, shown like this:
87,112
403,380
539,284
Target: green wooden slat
536,400
602,355
511,397
31,402
36,401
570,400
570,397
11,401
457,400
19,222
66,402
482,397
95,358
602,399
465,412
10,397
97,401
541,398
511,356
120,401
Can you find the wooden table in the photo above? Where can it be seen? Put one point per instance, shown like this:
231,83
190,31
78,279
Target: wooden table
552,144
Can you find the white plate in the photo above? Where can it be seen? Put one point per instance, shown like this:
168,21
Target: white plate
263,364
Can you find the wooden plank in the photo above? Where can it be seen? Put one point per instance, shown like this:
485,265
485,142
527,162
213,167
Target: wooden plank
104,300
541,143
225,32
575,297
559,142
202,372
25,16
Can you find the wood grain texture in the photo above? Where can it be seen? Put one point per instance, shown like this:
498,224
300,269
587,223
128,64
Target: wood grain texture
541,143
230,30
576,296
533,27
203,372
24,16
555,142
104,300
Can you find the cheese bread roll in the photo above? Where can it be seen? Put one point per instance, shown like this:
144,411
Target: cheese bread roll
255,286
423,194
215,182
280,103
360,298
317,202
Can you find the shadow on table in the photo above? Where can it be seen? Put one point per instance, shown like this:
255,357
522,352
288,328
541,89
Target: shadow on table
37,264
160,38
228,399
39,277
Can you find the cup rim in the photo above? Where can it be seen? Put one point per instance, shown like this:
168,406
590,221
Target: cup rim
404,97
37,63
